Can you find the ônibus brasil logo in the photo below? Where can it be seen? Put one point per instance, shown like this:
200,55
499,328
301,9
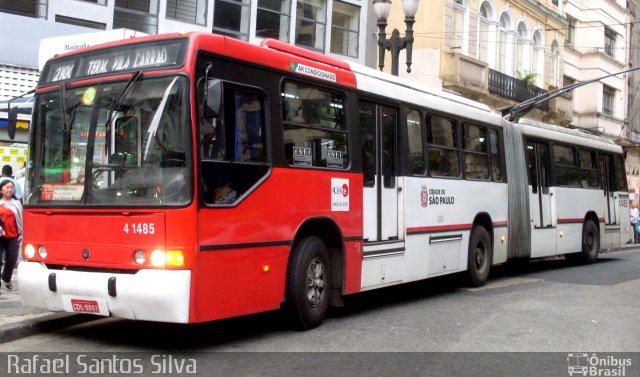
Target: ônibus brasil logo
585,365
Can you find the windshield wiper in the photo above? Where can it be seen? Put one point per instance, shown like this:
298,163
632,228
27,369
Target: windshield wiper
122,96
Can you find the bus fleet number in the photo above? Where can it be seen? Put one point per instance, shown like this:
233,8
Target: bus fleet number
139,228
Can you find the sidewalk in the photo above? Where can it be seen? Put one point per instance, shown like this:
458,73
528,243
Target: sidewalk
18,321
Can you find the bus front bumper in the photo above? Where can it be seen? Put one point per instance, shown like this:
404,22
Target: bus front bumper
151,295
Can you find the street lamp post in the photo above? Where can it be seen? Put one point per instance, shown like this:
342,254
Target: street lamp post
395,44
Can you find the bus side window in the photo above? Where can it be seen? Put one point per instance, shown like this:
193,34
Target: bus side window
236,135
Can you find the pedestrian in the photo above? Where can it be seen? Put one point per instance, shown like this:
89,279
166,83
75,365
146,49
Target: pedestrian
7,174
634,214
11,214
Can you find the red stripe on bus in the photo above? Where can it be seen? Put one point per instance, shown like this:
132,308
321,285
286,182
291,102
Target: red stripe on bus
427,229
571,220
500,223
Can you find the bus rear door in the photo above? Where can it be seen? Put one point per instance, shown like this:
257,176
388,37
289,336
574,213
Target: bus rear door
543,228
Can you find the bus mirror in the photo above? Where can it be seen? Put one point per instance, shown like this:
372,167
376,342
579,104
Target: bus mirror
13,120
213,100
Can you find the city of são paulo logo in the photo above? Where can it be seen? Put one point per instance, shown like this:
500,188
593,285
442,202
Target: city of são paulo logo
584,364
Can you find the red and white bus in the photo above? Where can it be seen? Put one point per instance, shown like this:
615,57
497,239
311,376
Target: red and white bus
193,177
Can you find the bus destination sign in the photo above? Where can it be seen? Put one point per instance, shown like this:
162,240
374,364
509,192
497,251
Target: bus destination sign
162,54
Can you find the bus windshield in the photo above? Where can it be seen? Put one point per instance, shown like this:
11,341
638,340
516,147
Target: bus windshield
116,144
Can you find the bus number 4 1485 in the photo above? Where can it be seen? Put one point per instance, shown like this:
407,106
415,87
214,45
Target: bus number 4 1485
139,228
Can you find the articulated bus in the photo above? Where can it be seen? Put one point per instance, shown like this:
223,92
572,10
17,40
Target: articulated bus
193,177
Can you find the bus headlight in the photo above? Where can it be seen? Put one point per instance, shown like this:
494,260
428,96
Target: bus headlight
29,251
139,257
160,258
42,252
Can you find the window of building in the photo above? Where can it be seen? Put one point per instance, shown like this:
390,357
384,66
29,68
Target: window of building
609,42
416,146
232,18
568,81
537,58
141,15
29,8
314,130
193,11
555,63
459,15
79,22
345,29
273,19
565,167
99,2
443,154
588,171
571,30
311,18
608,95
483,35
504,43
521,67
475,154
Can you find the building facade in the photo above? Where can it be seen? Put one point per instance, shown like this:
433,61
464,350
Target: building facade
496,52
334,27
502,52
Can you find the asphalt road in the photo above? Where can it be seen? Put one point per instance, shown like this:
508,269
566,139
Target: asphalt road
543,306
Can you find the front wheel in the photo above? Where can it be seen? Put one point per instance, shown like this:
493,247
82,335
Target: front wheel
308,284
480,256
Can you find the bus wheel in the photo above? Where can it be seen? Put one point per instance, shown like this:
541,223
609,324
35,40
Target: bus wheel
308,285
590,242
480,256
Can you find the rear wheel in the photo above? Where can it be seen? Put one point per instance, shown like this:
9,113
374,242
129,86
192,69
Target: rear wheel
309,283
590,242
480,256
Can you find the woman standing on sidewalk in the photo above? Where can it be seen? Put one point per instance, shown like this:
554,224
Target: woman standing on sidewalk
11,213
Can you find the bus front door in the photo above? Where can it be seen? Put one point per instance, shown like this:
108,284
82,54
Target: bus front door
541,201
378,126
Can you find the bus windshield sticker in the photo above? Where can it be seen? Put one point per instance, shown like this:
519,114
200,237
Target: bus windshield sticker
334,159
302,156
61,192
339,195
313,72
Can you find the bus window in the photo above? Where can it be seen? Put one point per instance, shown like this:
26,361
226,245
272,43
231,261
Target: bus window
566,170
444,157
237,135
496,153
588,172
130,154
416,145
476,158
368,142
314,131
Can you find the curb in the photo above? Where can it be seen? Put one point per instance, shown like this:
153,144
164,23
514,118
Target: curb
52,322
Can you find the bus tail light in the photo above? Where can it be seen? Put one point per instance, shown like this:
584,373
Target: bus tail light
29,251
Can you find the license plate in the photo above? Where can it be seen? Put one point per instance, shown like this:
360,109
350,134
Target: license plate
88,305
85,306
